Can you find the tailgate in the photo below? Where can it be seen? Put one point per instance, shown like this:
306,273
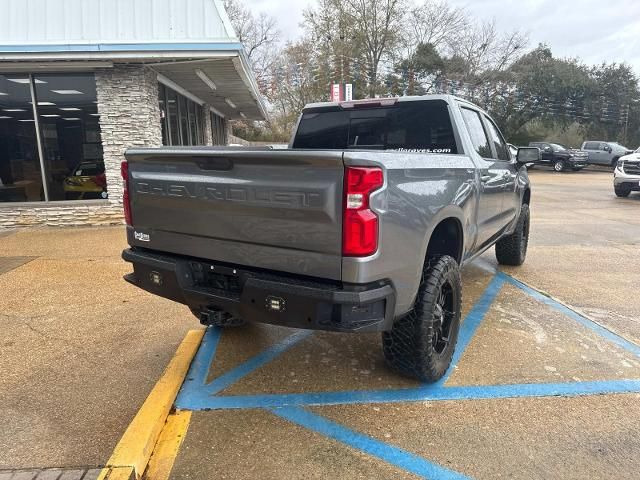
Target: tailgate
279,210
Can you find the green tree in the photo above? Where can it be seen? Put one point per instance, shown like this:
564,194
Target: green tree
542,88
613,103
417,74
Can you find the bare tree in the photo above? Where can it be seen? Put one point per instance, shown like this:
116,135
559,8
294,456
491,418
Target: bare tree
436,22
378,24
297,86
430,27
483,51
258,33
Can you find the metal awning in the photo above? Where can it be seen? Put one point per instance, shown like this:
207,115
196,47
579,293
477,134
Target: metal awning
223,83
174,38
225,64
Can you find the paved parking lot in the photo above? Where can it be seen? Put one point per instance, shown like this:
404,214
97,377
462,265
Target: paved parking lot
546,382
80,348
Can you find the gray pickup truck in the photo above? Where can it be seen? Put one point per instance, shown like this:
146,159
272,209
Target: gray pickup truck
360,226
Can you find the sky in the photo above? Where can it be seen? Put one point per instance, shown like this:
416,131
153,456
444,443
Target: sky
593,30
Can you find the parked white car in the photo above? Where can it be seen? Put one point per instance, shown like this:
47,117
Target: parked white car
626,176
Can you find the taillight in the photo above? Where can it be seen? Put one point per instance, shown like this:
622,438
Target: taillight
360,223
126,203
100,180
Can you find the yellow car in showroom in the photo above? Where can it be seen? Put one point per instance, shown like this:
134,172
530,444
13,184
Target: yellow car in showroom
87,181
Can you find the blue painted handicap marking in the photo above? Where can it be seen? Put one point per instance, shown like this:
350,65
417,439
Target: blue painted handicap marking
585,322
229,378
197,394
426,393
391,454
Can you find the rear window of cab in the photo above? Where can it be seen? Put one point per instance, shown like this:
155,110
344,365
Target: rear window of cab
415,126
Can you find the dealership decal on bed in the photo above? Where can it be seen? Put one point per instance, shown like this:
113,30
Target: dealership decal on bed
143,237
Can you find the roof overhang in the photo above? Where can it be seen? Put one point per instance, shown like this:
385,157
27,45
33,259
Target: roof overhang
184,64
226,84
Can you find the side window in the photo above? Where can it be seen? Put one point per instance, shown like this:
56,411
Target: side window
476,132
591,146
502,151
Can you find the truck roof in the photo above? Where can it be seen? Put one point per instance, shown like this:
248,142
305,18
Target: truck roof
412,98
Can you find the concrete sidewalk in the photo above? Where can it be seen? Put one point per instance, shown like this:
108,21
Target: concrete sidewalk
81,348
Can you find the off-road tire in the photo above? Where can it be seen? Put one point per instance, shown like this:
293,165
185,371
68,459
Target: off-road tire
558,165
218,318
621,191
512,249
421,342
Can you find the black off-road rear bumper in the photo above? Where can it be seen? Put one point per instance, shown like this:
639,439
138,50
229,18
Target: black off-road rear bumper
263,297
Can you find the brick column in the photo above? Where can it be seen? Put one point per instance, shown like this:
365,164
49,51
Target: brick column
129,117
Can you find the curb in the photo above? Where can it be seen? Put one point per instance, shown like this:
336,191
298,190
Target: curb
134,449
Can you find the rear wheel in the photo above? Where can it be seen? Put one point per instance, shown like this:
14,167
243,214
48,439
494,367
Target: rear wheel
621,191
512,249
558,165
217,318
421,343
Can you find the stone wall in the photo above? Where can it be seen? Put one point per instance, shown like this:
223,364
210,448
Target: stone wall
61,214
129,117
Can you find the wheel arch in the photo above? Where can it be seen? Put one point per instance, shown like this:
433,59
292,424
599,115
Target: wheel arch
446,238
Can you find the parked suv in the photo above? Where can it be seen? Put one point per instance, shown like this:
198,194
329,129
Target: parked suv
626,176
605,153
560,157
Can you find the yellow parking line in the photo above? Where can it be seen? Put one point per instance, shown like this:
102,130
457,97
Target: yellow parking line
166,451
124,473
136,445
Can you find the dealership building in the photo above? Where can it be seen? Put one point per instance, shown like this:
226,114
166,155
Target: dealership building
83,80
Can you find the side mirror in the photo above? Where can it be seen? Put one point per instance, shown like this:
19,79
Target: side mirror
527,155
547,149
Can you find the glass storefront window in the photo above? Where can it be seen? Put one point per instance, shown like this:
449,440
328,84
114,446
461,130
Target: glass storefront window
20,173
184,120
200,126
172,111
181,118
163,113
193,123
70,133
218,129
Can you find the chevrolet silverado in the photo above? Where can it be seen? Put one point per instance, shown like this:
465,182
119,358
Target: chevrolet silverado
362,225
